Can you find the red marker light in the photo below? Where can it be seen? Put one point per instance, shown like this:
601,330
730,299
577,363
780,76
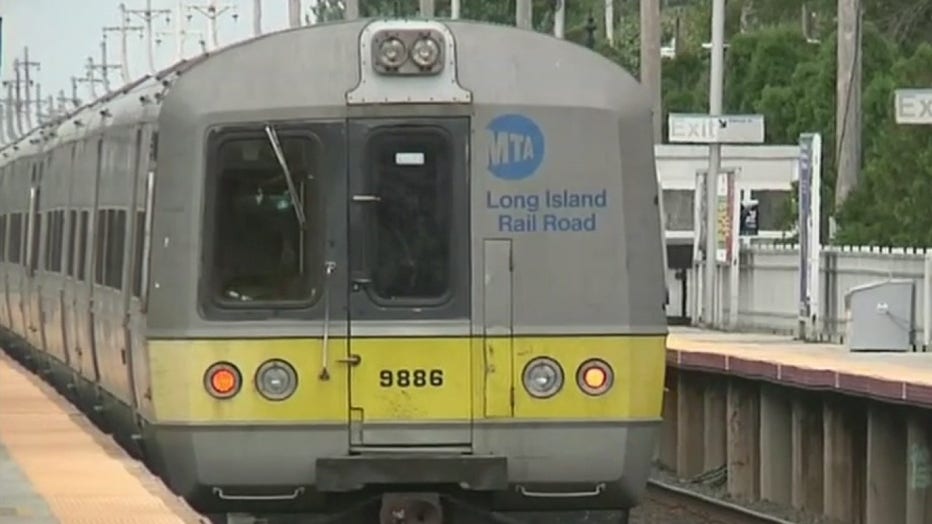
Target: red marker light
594,377
222,380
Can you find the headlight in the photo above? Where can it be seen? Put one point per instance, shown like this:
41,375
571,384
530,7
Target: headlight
425,52
222,380
595,377
276,380
392,52
543,377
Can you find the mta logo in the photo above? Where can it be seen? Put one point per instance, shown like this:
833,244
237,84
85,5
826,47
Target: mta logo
516,147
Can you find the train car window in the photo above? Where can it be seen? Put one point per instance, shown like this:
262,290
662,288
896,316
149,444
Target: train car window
100,244
72,229
137,254
57,246
34,246
16,238
411,230
260,253
3,238
81,250
116,241
47,259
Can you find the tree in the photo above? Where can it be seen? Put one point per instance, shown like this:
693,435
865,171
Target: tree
891,205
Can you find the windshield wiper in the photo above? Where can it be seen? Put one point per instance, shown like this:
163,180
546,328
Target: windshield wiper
277,147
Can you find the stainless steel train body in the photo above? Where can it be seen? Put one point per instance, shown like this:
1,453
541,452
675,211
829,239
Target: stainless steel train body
295,272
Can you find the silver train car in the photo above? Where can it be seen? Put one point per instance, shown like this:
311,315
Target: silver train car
409,268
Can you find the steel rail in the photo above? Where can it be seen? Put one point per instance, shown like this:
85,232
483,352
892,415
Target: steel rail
718,510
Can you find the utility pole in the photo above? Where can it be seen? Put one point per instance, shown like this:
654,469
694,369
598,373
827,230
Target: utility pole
559,18
716,81
27,66
38,103
63,101
104,66
610,21
11,112
848,99
146,15
53,109
212,11
351,10
16,95
90,79
3,109
124,29
74,92
257,17
427,8
650,60
294,13
523,14
455,8
180,33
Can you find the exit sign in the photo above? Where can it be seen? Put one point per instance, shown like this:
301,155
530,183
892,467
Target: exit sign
913,106
708,129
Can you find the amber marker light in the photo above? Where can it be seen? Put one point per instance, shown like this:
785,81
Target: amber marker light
222,380
595,377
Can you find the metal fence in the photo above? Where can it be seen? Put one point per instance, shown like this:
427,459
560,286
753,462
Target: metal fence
768,291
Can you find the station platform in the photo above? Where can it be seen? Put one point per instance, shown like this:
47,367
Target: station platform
56,467
899,377
813,426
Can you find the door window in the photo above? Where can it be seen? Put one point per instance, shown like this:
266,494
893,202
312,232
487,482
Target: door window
410,229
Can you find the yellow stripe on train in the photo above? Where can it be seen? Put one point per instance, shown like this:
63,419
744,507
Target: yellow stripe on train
407,379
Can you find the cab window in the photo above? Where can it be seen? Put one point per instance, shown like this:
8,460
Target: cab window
261,256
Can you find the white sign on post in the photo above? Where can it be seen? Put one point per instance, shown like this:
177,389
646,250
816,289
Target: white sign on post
707,129
913,106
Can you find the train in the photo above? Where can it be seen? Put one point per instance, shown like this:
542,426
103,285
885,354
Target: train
393,270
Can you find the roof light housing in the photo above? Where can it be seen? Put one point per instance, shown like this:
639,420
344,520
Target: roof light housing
408,51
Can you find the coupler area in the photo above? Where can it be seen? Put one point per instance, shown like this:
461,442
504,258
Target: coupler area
411,508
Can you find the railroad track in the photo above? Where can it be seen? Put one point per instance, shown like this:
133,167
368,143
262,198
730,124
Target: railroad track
709,509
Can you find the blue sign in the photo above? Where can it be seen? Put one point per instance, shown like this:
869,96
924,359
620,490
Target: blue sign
804,197
516,147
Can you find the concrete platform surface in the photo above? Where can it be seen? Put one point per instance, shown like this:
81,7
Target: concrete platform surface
888,376
55,467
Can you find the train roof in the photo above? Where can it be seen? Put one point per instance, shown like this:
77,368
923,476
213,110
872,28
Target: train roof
133,102
139,100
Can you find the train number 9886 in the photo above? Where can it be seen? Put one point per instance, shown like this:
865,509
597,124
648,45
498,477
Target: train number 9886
411,378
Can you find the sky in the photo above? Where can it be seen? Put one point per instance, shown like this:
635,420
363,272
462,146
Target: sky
62,34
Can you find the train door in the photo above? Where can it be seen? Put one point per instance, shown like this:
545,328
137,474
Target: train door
84,197
31,286
411,372
137,353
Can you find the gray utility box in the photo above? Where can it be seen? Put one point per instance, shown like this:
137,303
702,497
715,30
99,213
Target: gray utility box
881,316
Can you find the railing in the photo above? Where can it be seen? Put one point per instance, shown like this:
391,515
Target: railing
768,296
